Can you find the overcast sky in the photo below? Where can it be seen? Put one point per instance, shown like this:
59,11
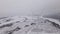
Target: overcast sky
29,7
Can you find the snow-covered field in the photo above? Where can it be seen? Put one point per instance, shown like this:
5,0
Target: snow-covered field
29,25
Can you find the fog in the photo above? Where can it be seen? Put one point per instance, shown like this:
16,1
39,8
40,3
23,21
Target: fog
29,7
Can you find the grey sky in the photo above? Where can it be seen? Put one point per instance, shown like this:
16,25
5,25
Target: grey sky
29,7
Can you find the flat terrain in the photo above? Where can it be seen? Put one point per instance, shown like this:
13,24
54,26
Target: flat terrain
28,25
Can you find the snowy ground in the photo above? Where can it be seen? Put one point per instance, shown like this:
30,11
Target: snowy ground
29,25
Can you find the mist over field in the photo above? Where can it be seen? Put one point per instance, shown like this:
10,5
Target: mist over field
29,7
29,16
